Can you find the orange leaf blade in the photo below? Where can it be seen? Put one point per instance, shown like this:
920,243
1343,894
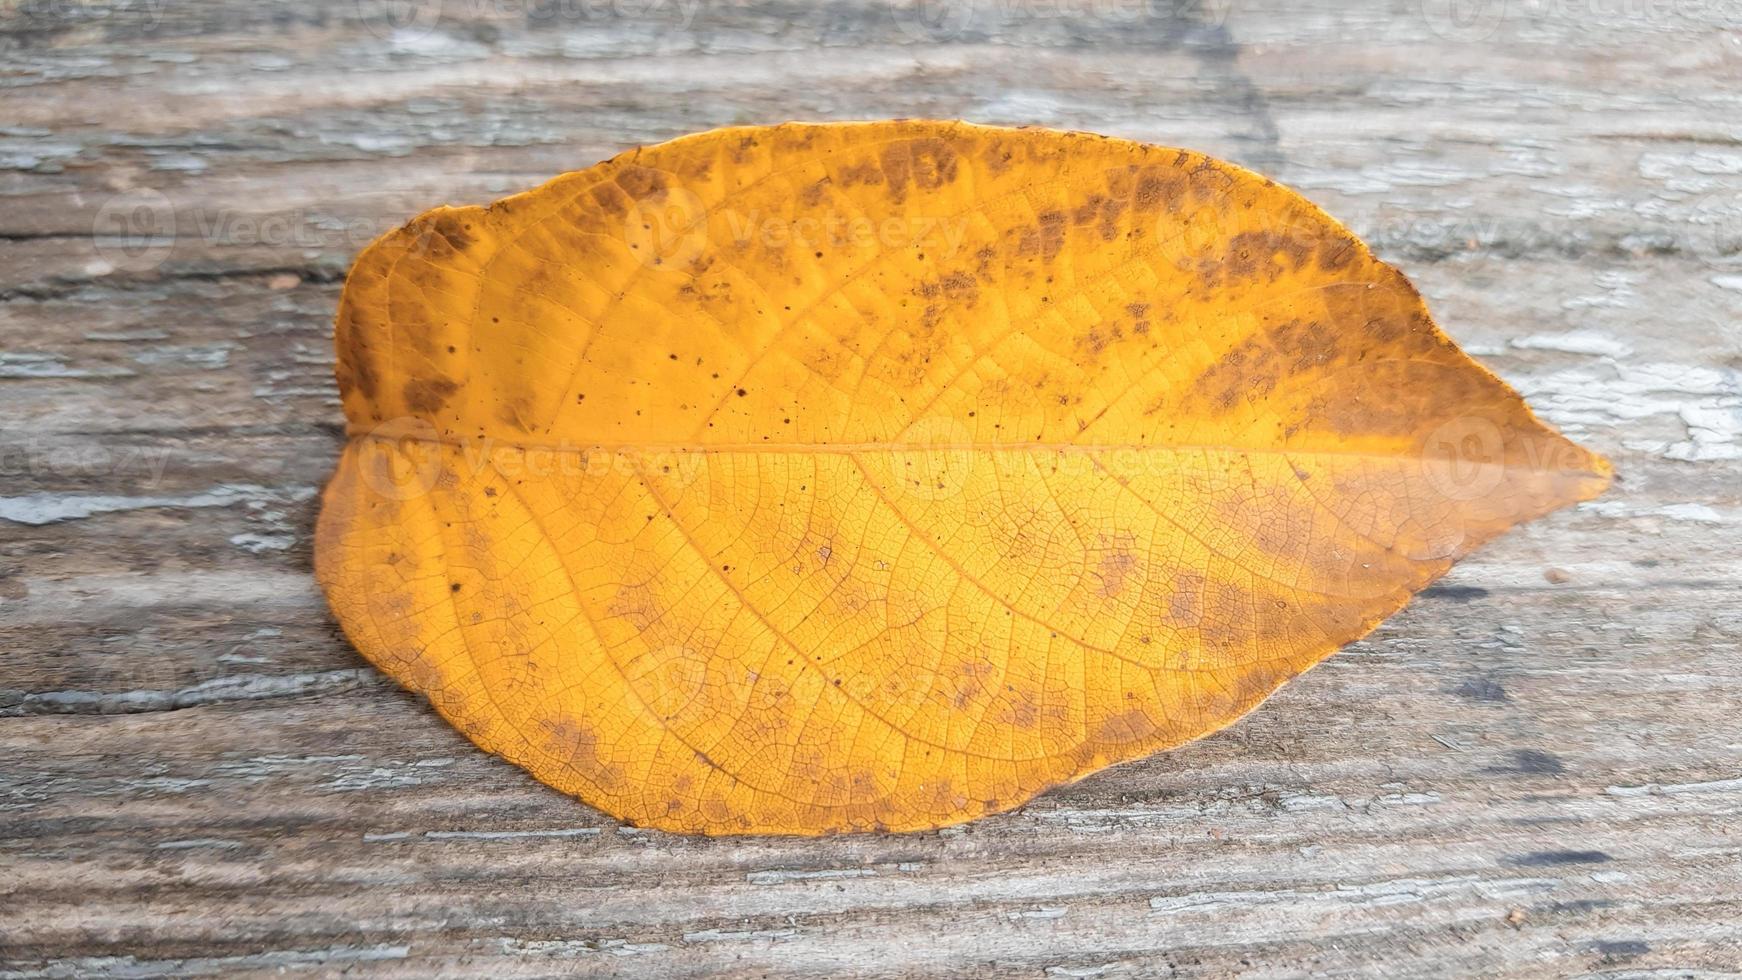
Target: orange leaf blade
817,478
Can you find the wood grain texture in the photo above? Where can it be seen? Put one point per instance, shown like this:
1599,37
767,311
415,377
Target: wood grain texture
1532,770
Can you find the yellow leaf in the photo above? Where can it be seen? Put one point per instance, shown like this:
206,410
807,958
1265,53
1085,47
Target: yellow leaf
835,477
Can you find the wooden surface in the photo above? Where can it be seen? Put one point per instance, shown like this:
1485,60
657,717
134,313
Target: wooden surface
1535,769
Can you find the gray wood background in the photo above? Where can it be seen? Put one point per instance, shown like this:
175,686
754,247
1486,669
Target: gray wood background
1534,770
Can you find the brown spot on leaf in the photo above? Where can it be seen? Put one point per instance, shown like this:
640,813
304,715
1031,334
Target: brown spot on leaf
1126,726
997,157
959,287
1185,606
861,174
969,682
1045,239
356,369
642,182
515,412
453,231
611,199
927,163
1110,212
1114,569
426,396
1156,187
1254,368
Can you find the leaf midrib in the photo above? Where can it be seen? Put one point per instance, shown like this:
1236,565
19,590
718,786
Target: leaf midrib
866,448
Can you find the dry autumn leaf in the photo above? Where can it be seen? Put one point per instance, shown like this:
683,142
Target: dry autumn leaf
835,477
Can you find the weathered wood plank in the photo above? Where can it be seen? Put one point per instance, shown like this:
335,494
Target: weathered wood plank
1532,770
